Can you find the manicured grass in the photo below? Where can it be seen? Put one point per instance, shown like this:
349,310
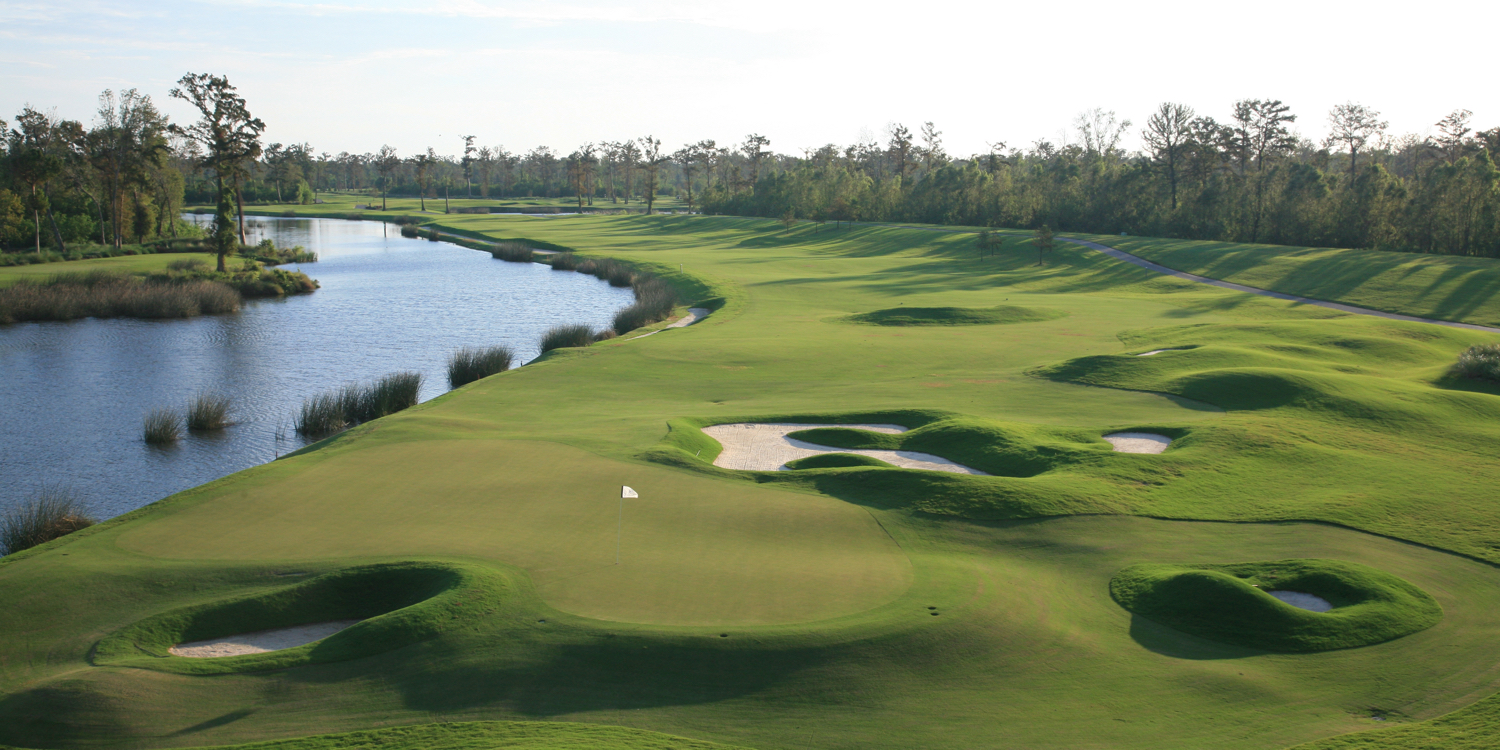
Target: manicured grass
835,461
1444,287
1229,603
954,316
855,607
135,264
491,735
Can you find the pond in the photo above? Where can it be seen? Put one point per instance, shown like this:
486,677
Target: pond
75,393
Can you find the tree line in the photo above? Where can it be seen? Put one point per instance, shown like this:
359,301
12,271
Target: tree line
1247,178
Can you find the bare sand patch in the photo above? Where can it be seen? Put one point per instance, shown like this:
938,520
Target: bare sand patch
1138,442
1155,352
1301,600
260,641
757,446
694,314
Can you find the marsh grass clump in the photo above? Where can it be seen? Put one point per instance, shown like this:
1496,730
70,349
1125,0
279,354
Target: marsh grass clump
342,408
564,336
162,427
51,513
409,230
208,411
106,294
513,252
608,269
564,262
470,364
1480,362
604,334
654,300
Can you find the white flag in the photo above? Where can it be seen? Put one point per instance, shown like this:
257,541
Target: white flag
626,492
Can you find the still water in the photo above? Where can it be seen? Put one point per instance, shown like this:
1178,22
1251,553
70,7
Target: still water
72,395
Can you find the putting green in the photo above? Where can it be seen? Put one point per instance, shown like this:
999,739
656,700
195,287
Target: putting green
694,551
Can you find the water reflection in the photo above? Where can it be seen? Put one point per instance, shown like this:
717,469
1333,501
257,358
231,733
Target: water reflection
74,393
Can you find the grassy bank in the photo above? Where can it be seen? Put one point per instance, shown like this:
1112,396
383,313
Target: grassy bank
844,604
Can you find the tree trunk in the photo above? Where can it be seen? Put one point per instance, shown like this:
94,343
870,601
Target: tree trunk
239,205
56,234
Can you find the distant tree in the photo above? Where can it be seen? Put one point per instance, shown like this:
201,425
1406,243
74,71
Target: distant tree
1453,135
423,166
932,152
1100,131
1167,134
35,161
1352,126
754,150
468,165
1261,131
900,148
652,159
486,162
580,166
386,163
687,161
1043,241
230,138
789,219
988,242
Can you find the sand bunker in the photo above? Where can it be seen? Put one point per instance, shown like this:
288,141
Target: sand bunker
755,446
1138,442
694,315
260,641
1159,351
1303,601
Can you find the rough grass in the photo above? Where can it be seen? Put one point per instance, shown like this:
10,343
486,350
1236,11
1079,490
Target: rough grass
162,427
654,301
105,294
490,735
955,316
514,252
333,411
471,363
563,336
563,262
1229,603
1480,362
208,411
48,514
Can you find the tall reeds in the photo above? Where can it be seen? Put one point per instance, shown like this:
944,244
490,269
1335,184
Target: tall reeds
470,364
103,294
207,411
563,336
564,262
332,411
1481,362
409,230
513,252
162,427
654,300
51,513
608,269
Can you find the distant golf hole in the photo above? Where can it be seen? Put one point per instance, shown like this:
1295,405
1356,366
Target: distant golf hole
260,641
723,635
934,614
1301,600
1138,442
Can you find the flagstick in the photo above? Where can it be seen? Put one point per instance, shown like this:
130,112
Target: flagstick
620,528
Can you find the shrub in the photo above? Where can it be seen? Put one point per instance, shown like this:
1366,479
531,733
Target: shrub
1481,362
162,427
289,214
468,365
564,262
432,235
208,411
51,513
405,220
604,334
563,336
514,252
409,230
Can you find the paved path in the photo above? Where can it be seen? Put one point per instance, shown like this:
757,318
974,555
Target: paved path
1161,269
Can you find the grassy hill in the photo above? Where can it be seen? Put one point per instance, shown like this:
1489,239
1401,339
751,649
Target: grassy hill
834,606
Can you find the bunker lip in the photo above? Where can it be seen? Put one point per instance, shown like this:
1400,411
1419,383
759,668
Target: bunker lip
1138,442
260,641
1302,600
764,446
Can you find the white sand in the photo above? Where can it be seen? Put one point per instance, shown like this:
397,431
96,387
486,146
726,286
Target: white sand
1138,442
1303,601
755,446
1159,351
260,641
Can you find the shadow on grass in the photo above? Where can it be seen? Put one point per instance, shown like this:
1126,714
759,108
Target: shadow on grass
1163,640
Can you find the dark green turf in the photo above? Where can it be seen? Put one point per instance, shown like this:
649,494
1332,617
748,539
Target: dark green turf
1229,603
836,461
956,316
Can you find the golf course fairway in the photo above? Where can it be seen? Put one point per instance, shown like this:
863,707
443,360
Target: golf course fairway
847,603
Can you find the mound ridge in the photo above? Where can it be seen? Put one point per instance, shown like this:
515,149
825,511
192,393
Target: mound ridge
955,316
1229,603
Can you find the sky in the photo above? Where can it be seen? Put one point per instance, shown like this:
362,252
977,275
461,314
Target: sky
351,75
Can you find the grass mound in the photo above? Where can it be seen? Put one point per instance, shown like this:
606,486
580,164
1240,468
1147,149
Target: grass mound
836,461
488,735
1000,449
51,513
955,316
398,604
1229,603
